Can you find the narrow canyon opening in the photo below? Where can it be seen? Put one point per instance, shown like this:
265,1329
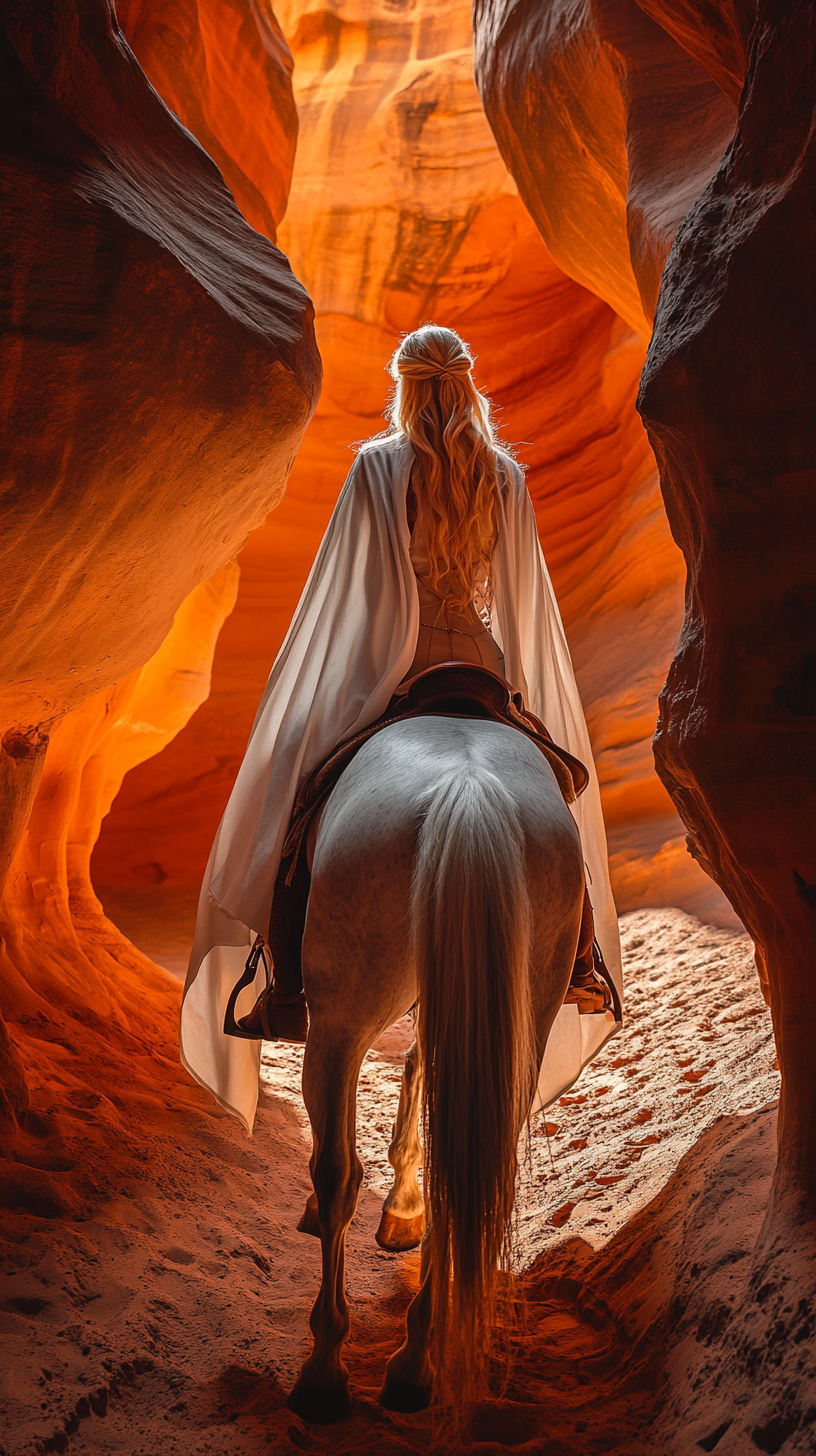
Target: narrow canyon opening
222,218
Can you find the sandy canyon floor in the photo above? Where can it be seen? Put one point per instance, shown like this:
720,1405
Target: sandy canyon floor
663,1314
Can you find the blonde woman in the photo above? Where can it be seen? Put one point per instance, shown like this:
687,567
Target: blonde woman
431,556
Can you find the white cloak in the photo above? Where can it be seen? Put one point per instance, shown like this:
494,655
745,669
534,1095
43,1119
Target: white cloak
351,642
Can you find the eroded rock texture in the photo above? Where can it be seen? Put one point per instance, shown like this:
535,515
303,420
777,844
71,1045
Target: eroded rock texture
401,210
728,397
611,130
225,70
159,367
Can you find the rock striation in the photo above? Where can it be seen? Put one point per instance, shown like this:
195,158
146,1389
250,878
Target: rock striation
727,397
401,209
225,70
611,130
159,368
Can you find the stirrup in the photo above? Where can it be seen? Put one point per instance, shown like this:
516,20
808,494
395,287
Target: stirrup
598,980
292,1015
257,953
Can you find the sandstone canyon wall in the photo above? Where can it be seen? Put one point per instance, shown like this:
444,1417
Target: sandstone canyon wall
727,396
225,70
159,368
611,130
401,209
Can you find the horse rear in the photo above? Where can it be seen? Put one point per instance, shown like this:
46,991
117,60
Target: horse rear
448,873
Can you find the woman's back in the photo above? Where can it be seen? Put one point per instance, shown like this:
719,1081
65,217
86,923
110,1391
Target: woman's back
451,506
448,632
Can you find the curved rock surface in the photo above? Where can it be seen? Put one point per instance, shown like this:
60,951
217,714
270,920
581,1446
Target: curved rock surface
225,70
728,400
717,36
401,209
150,337
611,130
159,368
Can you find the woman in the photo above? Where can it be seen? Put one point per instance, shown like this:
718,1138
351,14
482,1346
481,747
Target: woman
431,556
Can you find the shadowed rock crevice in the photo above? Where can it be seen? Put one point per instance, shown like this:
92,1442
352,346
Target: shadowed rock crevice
727,396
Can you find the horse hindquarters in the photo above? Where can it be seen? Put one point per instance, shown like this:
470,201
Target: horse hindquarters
476,1036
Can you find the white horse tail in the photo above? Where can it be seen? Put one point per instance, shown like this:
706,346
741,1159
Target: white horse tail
471,923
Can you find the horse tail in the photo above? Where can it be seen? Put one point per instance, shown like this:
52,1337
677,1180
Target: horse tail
471,926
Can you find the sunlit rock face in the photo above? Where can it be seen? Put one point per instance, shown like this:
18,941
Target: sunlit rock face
402,210
610,128
159,367
225,70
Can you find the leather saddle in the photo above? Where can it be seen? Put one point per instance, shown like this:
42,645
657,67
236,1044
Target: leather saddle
449,690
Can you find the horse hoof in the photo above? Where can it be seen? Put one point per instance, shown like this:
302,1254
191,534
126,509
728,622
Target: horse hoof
403,1396
320,1407
398,1234
309,1221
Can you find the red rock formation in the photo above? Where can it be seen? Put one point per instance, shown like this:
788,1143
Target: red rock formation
728,399
729,402
387,225
159,367
716,36
611,130
224,68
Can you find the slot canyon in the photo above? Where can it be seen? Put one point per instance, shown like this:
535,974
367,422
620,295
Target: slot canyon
220,218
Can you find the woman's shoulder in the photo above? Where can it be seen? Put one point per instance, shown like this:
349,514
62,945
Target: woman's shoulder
382,462
511,473
508,460
388,446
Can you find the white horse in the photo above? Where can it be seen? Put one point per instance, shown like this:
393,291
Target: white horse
447,871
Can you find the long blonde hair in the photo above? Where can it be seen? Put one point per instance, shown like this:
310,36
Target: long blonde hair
438,408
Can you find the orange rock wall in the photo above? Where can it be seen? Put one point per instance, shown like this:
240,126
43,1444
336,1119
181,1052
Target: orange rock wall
158,370
48,894
728,398
611,130
401,210
87,1010
225,70
727,395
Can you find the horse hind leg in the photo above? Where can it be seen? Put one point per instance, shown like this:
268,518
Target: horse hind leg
330,1073
403,1217
409,1374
